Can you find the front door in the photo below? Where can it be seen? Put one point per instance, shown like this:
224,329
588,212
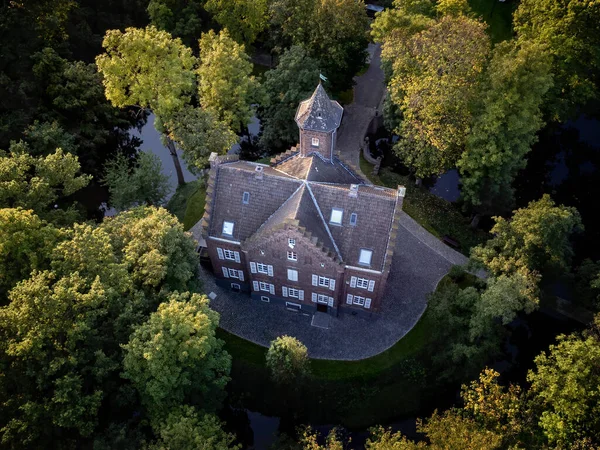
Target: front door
321,307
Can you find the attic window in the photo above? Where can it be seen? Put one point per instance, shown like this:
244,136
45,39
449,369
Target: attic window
228,228
336,216
246,198
365,257
315,142
353,218
291,243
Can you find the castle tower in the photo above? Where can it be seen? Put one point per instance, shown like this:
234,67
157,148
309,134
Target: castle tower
318,119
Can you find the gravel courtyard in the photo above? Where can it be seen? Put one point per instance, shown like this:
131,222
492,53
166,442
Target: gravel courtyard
420,261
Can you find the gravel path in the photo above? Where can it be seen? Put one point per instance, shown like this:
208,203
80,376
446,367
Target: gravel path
416,270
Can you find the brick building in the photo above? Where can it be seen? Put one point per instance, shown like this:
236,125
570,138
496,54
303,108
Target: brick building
305,232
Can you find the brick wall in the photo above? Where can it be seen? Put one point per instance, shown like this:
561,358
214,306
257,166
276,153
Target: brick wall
375,295
218,264
325,142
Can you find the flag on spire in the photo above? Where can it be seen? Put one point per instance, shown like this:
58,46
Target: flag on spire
322,77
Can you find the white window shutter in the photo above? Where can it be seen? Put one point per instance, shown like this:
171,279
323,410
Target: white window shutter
371,285
284,290
315,280
253,267
349,299
314,297
255,285
367,303
236,256
225,272
352,282
220,253
330,301
332,284
300,295
272,289
241,275
270,270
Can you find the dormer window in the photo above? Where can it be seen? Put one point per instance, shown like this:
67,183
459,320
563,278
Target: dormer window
365,257
291,243
353,219
336,216
228,228
246,198
315,142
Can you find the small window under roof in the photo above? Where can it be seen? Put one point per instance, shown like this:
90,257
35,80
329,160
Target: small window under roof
336,216
246,198
365,257
353,218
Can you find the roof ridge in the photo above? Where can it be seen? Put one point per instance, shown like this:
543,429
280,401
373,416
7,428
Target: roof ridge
276,211
312,196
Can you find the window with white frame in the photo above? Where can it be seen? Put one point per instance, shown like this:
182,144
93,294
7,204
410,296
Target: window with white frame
292,243
358,300
365,257
315,142
324,282
322,298
233,273
353,219
262,268
229,254
246,198
292,256
228,228
292,274
362,283
264,286
293,292
264,299
336,216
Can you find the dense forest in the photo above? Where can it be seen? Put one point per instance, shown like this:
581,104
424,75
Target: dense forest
107,339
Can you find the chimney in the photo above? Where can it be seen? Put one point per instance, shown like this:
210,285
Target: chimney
401,191
353,190
214,160
258,172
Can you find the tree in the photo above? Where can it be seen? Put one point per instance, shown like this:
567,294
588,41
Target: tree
287,359
505,124
243,19
38,182
149,69
185,429
434,82
142,184
199,133
181,18
43,138
571,30
453,8
225,83
334,32
292,81
175,357
534,241
565,385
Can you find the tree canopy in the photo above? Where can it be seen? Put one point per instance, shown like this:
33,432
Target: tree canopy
243,19
287,359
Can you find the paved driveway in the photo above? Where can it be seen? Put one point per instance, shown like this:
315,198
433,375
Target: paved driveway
416,269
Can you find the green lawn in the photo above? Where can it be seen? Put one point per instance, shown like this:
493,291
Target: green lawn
187,204
498,16
435,214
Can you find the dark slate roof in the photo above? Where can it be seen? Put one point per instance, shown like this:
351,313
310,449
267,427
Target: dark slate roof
313,168
278,198
375,213
319,113
267,194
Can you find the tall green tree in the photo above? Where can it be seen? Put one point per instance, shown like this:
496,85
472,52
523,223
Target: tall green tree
149,69
293,80
287,359
571,31
565,384
181,18
38,182
243,19
334,32
225,83
142,183
174,357
435,76
536,240
505,124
